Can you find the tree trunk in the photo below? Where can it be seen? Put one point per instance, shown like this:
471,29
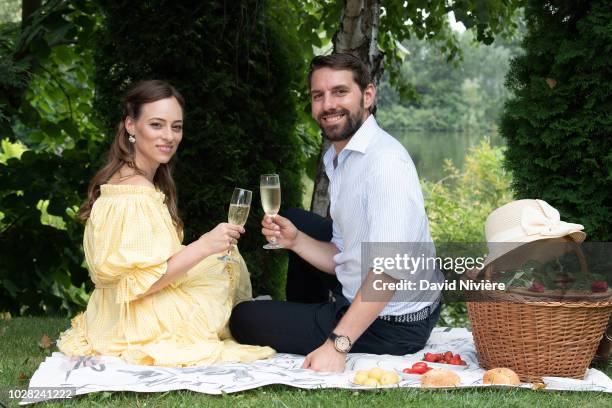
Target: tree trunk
27,8
357,35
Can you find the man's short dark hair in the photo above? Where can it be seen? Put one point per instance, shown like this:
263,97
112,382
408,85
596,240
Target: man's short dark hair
340,61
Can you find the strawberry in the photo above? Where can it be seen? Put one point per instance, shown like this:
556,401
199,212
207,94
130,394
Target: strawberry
599,286
537,287
456,360
420,370
419,365
431,357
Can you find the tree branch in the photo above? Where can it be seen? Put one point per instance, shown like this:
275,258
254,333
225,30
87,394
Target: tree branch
28,7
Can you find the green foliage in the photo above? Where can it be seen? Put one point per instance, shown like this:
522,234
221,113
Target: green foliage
12,75
315,23
46,112
458,205
55,31
41,267
558,124
428,20
466,96
11,150
60,98
236,63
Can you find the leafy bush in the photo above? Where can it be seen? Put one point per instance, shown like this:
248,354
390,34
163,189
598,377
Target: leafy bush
558,124
45,112
458,205
41,269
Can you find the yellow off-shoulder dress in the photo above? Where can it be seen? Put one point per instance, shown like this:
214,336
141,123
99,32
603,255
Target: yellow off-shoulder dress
128,240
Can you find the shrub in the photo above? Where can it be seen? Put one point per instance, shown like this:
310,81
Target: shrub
458,205
46,132
558,123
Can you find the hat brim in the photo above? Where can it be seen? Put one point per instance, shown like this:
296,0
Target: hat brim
506,254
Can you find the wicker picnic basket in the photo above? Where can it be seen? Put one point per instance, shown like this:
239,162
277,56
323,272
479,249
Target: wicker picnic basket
538,334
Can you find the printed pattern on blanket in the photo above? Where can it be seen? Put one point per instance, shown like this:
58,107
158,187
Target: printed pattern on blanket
94,374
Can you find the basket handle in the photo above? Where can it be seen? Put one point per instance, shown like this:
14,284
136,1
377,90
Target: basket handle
580,254
488,272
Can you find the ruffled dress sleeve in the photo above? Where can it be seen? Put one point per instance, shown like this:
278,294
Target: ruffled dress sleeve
128,240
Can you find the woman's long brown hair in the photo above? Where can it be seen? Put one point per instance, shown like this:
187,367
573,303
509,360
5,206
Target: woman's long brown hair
122,151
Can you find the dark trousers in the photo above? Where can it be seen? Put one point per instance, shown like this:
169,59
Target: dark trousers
314,307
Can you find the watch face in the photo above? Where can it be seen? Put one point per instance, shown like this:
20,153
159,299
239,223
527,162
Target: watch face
342,344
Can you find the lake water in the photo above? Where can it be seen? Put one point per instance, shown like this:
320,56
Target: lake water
429,149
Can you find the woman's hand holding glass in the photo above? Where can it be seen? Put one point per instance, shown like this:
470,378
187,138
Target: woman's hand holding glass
238,213
222,237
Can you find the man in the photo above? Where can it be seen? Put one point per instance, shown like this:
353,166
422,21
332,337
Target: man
375,197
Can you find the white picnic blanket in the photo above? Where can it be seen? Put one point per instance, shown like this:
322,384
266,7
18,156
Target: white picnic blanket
94,374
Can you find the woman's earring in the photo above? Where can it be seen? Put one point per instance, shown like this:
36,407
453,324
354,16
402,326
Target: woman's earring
132,139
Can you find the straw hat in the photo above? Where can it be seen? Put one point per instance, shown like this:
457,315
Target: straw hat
519,222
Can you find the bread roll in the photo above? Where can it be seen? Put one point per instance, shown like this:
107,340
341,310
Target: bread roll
501,376
440,377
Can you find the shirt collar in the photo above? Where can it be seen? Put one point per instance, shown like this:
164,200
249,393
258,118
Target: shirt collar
358,143
328,158
364,135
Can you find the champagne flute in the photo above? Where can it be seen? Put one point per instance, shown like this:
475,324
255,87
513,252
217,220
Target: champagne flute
269,187
237,215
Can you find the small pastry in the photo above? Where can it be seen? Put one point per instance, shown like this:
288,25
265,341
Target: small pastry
440,377
501,376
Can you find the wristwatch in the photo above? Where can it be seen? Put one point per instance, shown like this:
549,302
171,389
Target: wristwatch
342,344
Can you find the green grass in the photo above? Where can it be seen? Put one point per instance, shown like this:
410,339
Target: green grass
20,355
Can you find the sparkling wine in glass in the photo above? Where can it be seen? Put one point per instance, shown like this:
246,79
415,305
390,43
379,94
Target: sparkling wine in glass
269,187
237,215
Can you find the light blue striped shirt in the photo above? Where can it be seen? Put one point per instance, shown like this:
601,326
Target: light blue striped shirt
375,197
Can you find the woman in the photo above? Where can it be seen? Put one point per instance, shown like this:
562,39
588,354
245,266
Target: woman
155,301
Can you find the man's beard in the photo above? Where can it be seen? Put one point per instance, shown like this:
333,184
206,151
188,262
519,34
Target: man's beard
353,123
